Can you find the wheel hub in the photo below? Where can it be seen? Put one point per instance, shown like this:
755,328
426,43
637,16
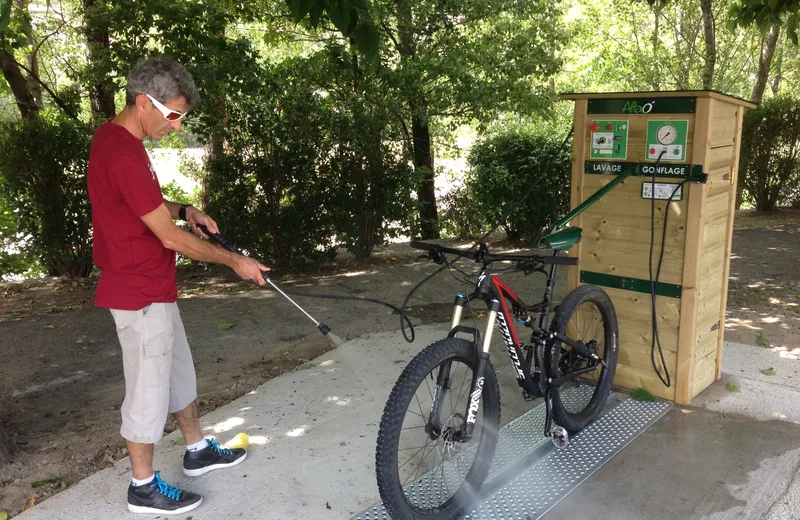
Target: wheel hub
450,437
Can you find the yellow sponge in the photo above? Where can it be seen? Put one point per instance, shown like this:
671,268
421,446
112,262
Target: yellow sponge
242,440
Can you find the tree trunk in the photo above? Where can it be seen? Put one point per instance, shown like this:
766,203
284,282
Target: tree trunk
420,131
775,84
709,37
101,94
423,164
765,63
655,83
19,86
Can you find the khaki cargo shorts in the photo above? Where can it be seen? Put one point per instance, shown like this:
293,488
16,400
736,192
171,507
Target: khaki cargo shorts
158,366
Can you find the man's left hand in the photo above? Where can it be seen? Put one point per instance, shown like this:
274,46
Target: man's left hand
196,217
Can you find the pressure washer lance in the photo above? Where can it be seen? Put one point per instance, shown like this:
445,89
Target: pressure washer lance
219,239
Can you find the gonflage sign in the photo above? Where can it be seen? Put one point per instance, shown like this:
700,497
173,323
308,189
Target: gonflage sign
674,171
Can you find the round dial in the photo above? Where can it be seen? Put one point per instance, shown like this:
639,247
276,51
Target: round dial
667,134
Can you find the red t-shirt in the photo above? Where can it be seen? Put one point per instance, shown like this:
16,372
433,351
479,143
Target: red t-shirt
135,268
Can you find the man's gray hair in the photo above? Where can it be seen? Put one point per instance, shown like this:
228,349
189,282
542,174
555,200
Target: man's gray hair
164,79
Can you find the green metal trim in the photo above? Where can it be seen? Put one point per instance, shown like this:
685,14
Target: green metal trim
563,239
661,105
630,284
644,169
591,200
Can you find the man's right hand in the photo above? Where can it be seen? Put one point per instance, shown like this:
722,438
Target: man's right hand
249,269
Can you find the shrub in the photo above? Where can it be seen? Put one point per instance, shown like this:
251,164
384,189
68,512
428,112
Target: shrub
770,155
505,165
43,177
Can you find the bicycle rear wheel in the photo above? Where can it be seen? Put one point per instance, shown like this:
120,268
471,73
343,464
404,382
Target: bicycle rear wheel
586,316
424,469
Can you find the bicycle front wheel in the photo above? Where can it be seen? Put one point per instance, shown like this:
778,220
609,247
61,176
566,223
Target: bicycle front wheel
586,316
425,467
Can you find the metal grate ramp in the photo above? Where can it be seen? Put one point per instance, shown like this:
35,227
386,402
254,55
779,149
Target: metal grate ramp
529,475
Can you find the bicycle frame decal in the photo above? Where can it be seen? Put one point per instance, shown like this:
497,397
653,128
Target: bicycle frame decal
512,352
475,401
507,331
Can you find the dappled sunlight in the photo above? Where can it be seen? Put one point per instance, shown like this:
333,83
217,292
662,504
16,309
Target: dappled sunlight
355,273
246,408
327,362
297,432
736,322
770,319
259,440
787,353
337,400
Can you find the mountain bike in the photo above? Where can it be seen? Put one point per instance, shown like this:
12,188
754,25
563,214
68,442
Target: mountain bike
439,428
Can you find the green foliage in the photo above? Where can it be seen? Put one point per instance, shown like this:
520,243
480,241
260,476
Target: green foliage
770,154
459,217
43,177
504,167
731,387
765,14
640,394
5,14
351,17
630,46
173,192
307,166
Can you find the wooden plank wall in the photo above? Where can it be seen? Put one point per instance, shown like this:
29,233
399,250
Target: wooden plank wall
616,241
715,245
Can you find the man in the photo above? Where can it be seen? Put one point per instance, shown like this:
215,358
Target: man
135,241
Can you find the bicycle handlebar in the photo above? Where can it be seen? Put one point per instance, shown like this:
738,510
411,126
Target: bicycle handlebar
483,255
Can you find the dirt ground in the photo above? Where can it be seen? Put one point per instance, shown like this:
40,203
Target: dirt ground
61,381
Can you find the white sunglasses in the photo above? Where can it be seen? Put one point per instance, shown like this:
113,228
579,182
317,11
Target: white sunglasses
168,113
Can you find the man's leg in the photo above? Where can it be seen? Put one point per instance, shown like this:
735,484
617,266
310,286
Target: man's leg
201,456
146,338
189,423
141,459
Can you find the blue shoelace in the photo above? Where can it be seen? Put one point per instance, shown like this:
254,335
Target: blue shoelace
165,489
216,447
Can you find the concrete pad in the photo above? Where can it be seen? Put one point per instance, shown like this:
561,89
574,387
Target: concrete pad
760,396
313,434
695,464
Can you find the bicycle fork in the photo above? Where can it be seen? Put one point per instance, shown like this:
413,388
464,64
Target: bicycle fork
444,381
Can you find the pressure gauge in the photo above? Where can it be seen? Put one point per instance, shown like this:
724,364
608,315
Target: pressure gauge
667,134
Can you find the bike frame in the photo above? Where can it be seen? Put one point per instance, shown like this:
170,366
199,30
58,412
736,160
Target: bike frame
537,383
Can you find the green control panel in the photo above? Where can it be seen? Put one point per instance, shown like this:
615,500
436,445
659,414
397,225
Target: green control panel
667,139
609,140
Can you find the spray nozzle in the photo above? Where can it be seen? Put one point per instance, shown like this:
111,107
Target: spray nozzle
324,329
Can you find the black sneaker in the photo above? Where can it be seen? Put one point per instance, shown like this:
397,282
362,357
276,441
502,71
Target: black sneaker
210,458
161,498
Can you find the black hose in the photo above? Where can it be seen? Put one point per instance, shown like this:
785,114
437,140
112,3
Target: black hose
218,238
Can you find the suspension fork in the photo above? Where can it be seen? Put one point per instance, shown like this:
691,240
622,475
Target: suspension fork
443,380
479,376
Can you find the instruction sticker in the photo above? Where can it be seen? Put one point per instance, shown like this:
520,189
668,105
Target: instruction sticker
663,190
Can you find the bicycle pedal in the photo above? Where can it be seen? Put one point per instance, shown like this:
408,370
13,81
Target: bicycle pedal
559,436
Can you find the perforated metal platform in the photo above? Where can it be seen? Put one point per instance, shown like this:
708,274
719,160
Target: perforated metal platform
529,475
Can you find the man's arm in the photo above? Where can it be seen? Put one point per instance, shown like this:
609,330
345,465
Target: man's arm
172,237
193,216
174,208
